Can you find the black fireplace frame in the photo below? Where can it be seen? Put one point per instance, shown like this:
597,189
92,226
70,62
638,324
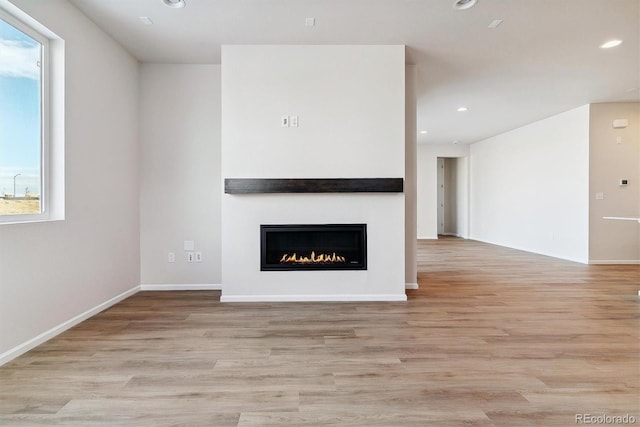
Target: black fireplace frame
362,240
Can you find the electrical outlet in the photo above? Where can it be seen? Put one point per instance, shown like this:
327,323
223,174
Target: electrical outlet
190,256
198,256
171,257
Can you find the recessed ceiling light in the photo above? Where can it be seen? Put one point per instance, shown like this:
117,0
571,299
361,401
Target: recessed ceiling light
146,20
423,132
495,23
610,44
461,109
464,4
175,4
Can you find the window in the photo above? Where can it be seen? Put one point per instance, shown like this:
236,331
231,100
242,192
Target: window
24,142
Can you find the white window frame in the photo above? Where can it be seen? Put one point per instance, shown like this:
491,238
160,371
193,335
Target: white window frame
27,25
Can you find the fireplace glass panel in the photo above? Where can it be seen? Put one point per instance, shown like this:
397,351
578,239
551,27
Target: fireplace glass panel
313,247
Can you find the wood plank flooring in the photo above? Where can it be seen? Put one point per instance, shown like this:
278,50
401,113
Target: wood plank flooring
493,337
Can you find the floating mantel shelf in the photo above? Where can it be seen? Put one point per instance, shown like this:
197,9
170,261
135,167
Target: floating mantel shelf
304,185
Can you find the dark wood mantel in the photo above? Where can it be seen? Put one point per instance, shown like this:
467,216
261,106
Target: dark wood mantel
306,185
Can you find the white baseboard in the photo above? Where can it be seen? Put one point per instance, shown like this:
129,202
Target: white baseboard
56,330
411,286
181,287
312,298
524,249
614,261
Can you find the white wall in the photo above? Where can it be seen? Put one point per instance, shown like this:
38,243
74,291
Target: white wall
427,178
529,187
462,197
614,155
350,101
51,272
410,182
180,173
337,93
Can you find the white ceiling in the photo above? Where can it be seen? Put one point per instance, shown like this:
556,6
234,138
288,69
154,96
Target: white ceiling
543,59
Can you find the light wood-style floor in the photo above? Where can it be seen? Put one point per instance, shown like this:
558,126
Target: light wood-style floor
494,337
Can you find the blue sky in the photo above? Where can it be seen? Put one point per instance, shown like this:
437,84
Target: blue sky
19,104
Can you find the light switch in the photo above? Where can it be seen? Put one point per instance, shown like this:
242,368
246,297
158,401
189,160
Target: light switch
293,121
284,121
599,196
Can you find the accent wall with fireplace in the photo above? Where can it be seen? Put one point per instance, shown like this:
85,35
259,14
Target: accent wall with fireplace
347,105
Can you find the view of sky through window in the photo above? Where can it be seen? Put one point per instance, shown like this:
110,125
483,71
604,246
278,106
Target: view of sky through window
20,119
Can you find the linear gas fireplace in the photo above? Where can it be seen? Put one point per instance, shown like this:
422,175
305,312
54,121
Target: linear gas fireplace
313,247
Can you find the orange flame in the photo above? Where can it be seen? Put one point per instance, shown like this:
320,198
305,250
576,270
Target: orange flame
313,259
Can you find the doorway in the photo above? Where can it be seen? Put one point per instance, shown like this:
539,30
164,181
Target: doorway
441,179
453,199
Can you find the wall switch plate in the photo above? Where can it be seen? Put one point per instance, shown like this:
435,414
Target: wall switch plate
189,245
198,256
599,196
284,121
190,256
171,257
293,121
620,123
